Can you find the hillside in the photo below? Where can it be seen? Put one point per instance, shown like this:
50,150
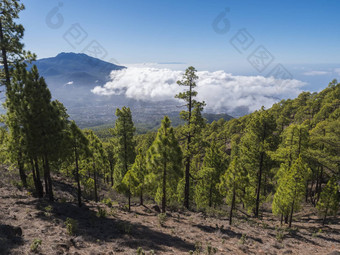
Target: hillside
24,218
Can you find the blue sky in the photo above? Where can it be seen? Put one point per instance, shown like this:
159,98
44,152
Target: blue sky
303,35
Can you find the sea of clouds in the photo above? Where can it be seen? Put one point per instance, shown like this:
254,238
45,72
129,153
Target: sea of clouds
222,92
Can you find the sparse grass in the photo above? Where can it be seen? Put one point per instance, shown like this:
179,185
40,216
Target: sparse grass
108,202
221,227
211,250
162,219
71,226
48,209
35,245
113,212
101,213
279,235
140,251
265,225
198,247
243,239
292,231
317,233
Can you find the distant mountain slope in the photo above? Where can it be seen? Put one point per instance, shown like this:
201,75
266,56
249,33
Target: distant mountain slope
78,68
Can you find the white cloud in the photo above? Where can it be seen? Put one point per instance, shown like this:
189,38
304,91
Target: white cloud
220,90
69,83
316,73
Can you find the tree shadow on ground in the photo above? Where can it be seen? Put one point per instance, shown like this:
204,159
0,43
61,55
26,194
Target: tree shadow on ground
93,228
65,187
329,239
295,235
10,238
228,232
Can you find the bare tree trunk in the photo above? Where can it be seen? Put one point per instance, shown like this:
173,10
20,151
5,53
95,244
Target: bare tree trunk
232,206
22,171
164,188
39,186
77,177
95,182
129,200
47,172
258,189
111,173
210,194
141,197
4,57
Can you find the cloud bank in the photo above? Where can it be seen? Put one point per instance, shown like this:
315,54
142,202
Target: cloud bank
223,92
316,73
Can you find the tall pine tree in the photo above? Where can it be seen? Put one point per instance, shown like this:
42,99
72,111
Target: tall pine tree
194,123
164,159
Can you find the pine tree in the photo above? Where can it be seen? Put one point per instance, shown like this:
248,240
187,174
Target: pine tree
294,143
14,122
164,161
257,141
329,199
194,123
79,148
125,147
134,178
11,34
234,180
110,151
291,189
96,162
206,190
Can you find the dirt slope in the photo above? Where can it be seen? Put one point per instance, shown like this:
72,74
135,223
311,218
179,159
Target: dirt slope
24,218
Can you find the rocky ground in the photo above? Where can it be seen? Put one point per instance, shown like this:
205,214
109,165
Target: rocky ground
29,225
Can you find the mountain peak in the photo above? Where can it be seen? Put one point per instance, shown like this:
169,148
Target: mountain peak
70,65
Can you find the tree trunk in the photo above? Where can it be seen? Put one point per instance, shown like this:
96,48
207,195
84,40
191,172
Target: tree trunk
210,194
291,214
111,173
164,188
232,206
39,186
258,190
36,186
22,171
187,183
325,216
95,182
141,197
49,180
4,57
129,200
306,196
286,219
187,166
77,177
320,183
45,177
